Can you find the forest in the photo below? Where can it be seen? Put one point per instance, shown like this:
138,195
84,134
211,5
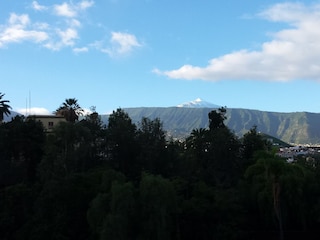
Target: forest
87,180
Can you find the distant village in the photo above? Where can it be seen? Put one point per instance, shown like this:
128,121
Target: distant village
292,153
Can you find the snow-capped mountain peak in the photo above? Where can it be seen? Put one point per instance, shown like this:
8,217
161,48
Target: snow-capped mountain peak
198,103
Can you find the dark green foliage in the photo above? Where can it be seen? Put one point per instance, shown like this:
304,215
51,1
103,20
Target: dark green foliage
69,149
100,206
15,209
121,137
21,147
152,142
70,110
252,142
126,181
118,222
157,208
61,208
278,192
222,164
216,119
197,217
4,107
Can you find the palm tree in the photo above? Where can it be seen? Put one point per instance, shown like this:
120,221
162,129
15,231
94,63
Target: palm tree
198,139
70,109
4,107
275,182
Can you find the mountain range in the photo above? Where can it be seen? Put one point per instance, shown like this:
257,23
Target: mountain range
179,121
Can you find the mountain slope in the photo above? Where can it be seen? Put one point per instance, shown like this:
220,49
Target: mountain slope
299,127
10,117
178,122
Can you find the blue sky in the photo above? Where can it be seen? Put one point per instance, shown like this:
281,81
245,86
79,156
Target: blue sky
261,55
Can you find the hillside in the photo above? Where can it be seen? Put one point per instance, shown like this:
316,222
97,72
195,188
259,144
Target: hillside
10,116
299,127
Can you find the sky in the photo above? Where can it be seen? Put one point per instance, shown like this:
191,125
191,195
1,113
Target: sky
262,55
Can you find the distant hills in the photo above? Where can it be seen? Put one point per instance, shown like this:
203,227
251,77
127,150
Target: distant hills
179,121
298,127
10,116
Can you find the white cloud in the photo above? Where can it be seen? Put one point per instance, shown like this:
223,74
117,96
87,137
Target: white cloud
54,36
36,6
41,26
121,44
65,10
68,36
65,38
293,53
74,23
64,32
85,4
18,29
72,10
80,50
86,112
34,111
19,21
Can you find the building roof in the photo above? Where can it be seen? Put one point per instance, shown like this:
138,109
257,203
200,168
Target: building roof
44,116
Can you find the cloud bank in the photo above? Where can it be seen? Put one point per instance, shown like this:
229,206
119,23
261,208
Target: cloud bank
62,31
19,29
292,53
34,111
36,6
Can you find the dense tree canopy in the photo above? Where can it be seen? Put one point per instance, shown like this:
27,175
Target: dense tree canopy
85,180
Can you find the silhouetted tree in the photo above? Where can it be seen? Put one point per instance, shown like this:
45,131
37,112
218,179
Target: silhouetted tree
198,141
118,223
121,137
15,210
278,187
69,149
221,162
70,109
94,120
61,209
21,149
151,139
158,208
216,118
252,142
4,107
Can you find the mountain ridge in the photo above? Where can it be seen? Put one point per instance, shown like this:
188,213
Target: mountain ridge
291,127
295,127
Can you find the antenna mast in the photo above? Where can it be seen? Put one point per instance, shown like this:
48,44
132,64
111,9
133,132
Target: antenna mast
27,107
29,101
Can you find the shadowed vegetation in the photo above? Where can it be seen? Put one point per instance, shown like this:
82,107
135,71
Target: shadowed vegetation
87,180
